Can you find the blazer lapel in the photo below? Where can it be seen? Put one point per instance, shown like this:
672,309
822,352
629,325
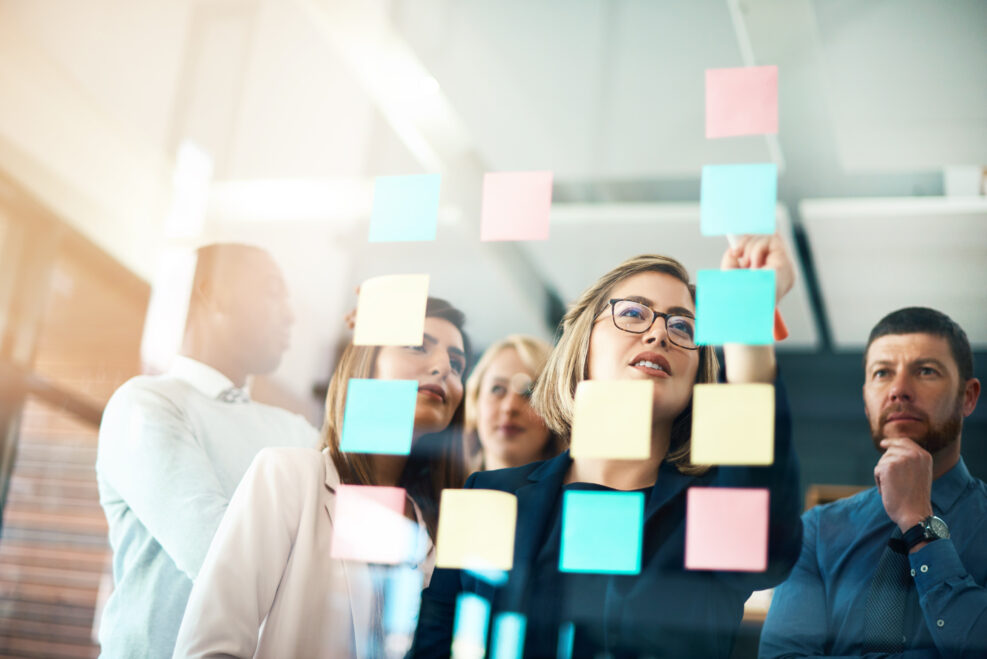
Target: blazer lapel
535,504
671,482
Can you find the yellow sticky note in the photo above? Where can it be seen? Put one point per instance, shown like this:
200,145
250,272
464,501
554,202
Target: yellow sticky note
390,311
733,424
612,419
476,530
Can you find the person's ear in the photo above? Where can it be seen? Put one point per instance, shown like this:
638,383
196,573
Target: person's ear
971,392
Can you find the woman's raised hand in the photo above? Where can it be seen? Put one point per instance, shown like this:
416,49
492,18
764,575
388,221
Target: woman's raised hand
760,251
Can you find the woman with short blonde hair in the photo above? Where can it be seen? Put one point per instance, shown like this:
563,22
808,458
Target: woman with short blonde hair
502,429
599,564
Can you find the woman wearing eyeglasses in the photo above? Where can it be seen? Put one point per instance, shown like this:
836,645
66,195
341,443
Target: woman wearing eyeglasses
502,429
635,323
275,583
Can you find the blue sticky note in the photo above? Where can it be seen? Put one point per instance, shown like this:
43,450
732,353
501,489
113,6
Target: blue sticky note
735,306
601,532
738,199
405,208
508,636
379,416
403,594
469,636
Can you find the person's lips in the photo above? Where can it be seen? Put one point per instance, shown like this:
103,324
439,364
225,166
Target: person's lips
510,429
433,390
653,364
903,416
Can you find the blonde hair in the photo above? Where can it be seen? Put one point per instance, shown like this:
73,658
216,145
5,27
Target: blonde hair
555,390
533,353
436,460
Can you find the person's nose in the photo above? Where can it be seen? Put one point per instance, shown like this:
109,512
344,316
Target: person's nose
657,334
512,404
901,388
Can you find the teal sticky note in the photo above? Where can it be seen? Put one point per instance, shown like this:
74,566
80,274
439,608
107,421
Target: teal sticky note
379,416
738,199
405,208
735,306
507,639
469,635
403,594
601,532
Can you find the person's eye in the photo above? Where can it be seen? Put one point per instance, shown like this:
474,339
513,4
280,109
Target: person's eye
420,348
458,366
631,312
928,370
880,373
681,325
498,390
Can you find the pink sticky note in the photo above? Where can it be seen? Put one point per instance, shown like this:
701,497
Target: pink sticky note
369,525
726,528
516,206
741,101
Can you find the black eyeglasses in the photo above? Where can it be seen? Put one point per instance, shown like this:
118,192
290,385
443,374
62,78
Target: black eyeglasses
636,318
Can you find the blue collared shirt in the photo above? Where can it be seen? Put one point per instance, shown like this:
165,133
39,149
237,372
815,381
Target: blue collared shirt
820,609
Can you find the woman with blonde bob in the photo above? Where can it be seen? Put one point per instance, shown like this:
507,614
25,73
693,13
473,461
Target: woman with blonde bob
502,429
636,323
276,582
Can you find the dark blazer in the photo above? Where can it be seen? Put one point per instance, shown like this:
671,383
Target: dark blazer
665,611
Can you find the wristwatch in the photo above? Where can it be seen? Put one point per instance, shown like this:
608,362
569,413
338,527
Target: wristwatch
931,528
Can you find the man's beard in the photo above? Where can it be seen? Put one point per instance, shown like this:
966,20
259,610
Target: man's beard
935,438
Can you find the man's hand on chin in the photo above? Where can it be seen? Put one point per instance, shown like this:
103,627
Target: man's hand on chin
904,480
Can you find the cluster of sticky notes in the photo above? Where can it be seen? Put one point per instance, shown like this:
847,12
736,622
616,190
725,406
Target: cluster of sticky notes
379,416
390,311
726,529
732,424
476,530
602,532
735,306
612,420
469,631
515,206
738,199
369,525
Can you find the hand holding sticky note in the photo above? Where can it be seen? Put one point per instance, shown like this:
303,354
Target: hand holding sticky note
726,528
733,424
390,311
735,306
741,101
476,530
612,419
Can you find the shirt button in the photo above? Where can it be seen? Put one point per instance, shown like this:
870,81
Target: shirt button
925,568
913,572
940,622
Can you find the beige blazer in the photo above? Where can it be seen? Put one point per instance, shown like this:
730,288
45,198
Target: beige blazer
268,587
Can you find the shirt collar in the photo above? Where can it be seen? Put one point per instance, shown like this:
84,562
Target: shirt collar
947,488
203,377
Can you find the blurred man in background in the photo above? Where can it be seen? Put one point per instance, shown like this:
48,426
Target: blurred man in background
899,569
173,447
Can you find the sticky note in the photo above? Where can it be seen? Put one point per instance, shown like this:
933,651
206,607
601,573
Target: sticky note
735,306
601,532
405,208
516,206
476,530
507,638
469,636
742,101
402,600
726,528
379,416
390,311
733,424
612,419
738,199
368,525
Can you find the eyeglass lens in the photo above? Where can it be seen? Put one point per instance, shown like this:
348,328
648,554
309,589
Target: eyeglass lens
634,317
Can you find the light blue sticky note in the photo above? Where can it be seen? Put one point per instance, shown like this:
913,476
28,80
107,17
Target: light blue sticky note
402,600
601,532
379,416
469,636
738,199
735,306
508,636
405,208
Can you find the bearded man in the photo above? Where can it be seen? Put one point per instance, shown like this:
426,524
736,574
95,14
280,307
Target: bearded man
898,570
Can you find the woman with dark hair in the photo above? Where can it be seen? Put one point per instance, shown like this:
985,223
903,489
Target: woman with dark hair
637,322
270,585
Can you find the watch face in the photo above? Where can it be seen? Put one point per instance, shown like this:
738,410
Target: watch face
936,528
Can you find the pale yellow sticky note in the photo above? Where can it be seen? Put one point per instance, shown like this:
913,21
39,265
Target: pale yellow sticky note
733,424
612,420
390,311
476,530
